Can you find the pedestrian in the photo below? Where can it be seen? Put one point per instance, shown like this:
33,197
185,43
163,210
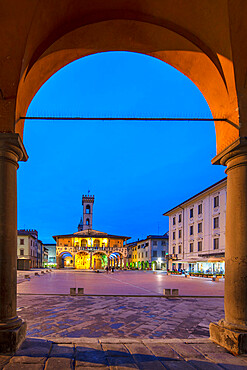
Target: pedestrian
112,269
107,269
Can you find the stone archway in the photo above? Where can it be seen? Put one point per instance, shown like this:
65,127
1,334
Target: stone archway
82,260
99,260
204,40
65,259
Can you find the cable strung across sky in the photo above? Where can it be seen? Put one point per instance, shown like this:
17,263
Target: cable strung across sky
130,119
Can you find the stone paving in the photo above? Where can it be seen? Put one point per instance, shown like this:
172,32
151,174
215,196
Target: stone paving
146,331
120,282
125,317
117,354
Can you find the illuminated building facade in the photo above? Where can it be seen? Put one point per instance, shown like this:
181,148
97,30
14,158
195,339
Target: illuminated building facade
29,249
197,231
151,252
88,248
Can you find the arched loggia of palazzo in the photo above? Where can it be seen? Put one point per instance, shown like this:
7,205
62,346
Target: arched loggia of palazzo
82,260
65,259
117,260
99,260
204,40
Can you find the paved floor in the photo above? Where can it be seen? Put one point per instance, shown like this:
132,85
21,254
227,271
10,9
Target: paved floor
125,317
120,282
78,332
115,354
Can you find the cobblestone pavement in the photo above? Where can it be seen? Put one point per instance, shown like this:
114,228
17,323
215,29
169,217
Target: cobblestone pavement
125,317
115,354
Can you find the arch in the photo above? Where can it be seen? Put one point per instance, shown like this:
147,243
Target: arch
88,209
82,260
84,243
96,243
99,260
211,72
65,259
87,222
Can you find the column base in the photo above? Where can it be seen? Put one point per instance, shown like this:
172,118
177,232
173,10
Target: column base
12,338
235,341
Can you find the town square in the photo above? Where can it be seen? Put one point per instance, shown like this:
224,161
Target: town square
123,184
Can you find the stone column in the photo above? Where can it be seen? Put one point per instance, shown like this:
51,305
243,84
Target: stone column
91,259
12,328
231,332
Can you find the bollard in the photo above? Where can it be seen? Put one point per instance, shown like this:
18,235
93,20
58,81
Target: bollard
36,274
175,292
186,275
27,276
167,292
47,271
42,272
80,291
72,291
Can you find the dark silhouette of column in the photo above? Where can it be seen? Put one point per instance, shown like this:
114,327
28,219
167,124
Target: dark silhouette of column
12,328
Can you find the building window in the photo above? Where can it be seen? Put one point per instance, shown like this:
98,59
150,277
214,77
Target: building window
216,201
179,233
191,212
163,242
96,243
155,242
154,253
22,252
173,250
199,209
87,209
21,241
146,254
179,218
138,247
191,247
163,253
200,246
142,254
173,235
179,249
191,230
31,242
216,222
174,221
216,243
200,227
87,221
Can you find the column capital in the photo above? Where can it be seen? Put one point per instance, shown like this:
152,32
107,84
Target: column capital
12,142
237,151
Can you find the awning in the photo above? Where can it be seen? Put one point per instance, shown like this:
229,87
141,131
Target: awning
216,259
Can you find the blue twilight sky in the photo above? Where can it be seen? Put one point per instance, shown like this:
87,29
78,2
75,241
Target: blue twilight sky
136,170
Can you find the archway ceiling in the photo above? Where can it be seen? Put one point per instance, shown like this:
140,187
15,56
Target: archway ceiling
199,38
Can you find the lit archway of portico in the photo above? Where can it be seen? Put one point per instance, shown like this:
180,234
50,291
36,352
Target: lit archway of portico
82,260
99,260
64,260
116,259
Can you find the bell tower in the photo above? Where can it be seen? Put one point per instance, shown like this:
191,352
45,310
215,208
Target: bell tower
87,202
